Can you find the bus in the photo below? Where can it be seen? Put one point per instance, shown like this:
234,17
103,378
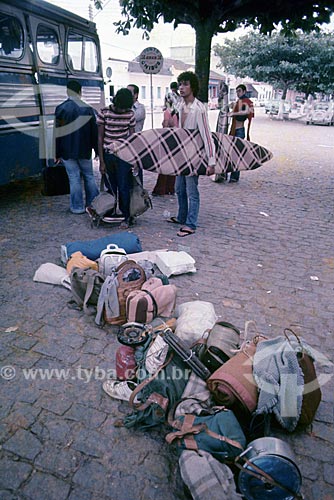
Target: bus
42,47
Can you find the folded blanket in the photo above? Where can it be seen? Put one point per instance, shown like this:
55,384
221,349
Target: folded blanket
92,248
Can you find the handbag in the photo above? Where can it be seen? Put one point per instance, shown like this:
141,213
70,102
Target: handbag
140,200
104,203
55,180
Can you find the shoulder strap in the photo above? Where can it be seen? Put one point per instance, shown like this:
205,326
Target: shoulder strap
187,429
144,383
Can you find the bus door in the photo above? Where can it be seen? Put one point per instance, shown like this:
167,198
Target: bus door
48,39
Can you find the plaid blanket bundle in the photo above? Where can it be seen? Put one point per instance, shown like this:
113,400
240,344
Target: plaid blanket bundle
178,151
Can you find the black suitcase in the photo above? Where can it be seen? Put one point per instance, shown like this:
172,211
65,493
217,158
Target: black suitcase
55,181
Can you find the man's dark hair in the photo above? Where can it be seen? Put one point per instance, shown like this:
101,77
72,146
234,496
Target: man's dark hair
174,85
74,86
123,99
189,76
135,88
242,87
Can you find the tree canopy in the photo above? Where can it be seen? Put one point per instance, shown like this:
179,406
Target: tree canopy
210,17
299,61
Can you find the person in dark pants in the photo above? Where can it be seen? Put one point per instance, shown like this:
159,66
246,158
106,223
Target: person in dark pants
242,111
117,122
76,136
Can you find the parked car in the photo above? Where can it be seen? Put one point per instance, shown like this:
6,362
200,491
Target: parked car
321,114
272,107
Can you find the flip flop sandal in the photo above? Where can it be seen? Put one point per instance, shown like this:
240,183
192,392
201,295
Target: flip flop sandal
185,232
173,220
119,389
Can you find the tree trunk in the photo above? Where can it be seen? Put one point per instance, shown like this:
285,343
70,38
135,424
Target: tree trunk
204,36
281,113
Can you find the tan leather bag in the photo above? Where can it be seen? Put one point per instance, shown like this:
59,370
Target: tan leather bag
124,272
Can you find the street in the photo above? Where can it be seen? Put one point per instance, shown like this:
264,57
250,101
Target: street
264,252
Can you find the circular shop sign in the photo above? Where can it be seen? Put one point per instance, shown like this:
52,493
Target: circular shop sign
151,60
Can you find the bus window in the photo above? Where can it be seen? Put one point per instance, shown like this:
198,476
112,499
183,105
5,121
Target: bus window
82,53
47,44
11,37
90,61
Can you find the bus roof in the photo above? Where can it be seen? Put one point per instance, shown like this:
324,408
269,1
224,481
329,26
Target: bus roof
46,9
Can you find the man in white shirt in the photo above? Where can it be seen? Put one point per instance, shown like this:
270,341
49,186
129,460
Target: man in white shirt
192,115
138,108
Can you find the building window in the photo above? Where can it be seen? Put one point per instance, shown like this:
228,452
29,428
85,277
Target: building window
143,92
158,92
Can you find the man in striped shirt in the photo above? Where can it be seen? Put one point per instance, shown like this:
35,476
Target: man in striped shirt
192,115
117,122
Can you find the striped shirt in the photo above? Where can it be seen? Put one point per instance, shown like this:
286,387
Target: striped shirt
196,117
116,125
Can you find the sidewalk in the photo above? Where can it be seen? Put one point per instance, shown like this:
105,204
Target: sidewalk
264,251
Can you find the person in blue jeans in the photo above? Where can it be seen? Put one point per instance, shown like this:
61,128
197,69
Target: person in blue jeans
76,137
242,111
192,115
116,122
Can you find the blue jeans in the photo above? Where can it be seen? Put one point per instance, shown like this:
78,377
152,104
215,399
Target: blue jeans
186,188
120,176
239,132
74,169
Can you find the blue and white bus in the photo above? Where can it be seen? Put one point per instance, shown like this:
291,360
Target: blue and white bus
41,47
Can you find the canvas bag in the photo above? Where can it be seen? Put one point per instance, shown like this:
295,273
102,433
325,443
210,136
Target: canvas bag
140,200
103,203
157,394
219,434
125,286
154,299
86,286
207,478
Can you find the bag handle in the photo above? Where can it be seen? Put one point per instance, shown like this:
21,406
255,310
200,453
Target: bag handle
105,182
126,266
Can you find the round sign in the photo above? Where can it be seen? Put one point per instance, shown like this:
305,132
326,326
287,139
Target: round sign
151,60
108,72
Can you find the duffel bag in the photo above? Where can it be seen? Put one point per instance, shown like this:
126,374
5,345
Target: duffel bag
233,384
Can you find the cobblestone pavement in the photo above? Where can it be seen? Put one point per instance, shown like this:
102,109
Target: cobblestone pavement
264,251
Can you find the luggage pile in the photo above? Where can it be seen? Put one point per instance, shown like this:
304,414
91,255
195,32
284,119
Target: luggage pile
219,395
